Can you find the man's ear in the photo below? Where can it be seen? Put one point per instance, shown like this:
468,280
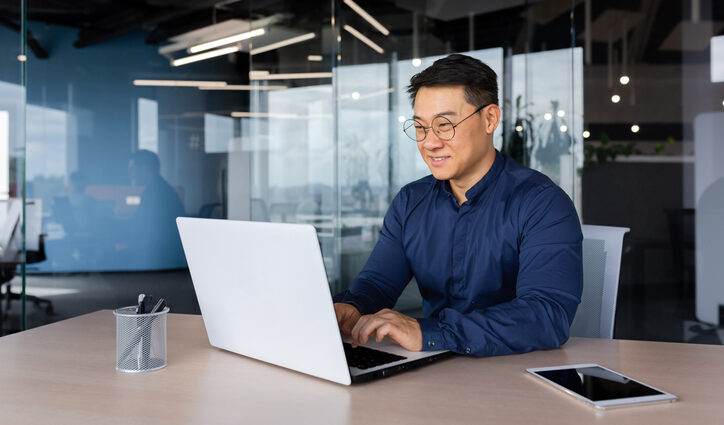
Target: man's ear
491,115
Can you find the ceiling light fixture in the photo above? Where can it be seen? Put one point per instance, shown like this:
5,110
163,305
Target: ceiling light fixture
283,43
416,62
179,83
561,113
635,128
364,39
314,58
367,17
242,87
547,116
624,80
564,128
586,134
226,40
292,76
203,56
615,98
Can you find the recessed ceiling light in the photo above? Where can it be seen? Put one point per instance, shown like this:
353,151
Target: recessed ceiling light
564,128
615,98
624,79
586,134
416,62
635,128
561,113
547,116
314,58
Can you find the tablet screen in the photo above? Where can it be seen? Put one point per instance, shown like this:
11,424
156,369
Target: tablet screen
597,383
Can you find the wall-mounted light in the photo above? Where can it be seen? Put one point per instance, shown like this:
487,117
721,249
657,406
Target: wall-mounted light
635,128
226,40
615,98
364,39
283,43
367,17
624,80
203,56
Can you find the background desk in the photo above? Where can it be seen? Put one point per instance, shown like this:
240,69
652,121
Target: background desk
65,373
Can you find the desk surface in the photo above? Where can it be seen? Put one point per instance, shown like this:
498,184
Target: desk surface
65,373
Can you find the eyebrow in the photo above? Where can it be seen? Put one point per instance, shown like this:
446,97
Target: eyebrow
438,114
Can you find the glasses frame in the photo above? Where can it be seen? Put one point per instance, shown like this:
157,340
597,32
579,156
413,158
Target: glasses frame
412,121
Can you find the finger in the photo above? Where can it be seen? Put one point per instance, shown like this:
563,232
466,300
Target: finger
369,328
356,330
383,331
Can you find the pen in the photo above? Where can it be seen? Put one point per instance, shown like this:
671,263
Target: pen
139,308
160,305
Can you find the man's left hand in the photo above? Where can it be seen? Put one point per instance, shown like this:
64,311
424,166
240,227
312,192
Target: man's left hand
386,323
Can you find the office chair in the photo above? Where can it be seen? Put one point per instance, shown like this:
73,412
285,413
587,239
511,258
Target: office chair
602,247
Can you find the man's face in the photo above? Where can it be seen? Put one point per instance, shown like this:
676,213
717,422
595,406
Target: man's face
461,157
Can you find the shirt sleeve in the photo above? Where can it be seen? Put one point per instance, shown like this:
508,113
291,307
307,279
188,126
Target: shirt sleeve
548,289
387,270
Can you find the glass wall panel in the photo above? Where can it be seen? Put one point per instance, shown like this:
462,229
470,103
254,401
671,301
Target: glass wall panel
298,119
12,156
653,102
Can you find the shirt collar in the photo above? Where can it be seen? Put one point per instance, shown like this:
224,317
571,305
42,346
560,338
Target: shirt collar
479,188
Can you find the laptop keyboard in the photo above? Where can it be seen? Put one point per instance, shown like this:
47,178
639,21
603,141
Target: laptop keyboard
365,358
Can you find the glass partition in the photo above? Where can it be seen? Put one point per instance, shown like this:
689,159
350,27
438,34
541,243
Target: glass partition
13,210
291,112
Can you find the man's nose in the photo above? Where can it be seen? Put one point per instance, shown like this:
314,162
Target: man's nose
432,141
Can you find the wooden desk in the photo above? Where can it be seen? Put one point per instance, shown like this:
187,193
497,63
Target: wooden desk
65,373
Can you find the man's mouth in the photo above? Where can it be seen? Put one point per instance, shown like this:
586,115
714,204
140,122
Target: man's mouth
438,160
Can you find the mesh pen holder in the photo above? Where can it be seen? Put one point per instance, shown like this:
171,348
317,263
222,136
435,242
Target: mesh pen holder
140,340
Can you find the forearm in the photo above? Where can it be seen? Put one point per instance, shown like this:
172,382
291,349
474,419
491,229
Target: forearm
531,322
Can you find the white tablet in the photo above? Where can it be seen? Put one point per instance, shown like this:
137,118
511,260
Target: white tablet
601,387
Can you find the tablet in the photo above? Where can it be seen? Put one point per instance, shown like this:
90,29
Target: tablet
601,387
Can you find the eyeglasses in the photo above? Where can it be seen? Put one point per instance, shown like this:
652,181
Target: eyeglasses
443,127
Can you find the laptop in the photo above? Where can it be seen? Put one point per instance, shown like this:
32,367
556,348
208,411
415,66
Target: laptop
263,293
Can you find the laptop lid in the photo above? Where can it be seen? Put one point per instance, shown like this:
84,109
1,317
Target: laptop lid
263,293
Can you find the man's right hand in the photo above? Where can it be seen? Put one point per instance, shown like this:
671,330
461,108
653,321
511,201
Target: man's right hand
347,317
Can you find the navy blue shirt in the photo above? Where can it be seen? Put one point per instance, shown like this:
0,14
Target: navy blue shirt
499,274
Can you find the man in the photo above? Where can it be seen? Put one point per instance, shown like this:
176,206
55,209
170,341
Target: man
495,247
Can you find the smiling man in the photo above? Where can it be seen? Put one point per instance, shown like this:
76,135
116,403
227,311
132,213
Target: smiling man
495,247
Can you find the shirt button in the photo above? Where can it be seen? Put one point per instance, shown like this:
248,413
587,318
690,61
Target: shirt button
431,343
467,350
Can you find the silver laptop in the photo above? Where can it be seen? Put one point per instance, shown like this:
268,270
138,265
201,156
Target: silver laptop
263,293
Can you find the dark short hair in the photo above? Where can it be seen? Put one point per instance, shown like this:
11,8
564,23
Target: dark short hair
479,81
146,158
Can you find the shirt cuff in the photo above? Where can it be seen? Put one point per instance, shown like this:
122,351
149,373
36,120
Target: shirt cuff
432,338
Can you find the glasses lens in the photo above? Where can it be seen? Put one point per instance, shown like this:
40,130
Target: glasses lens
443,128
414,130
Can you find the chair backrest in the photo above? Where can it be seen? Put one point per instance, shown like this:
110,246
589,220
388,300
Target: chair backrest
602,246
